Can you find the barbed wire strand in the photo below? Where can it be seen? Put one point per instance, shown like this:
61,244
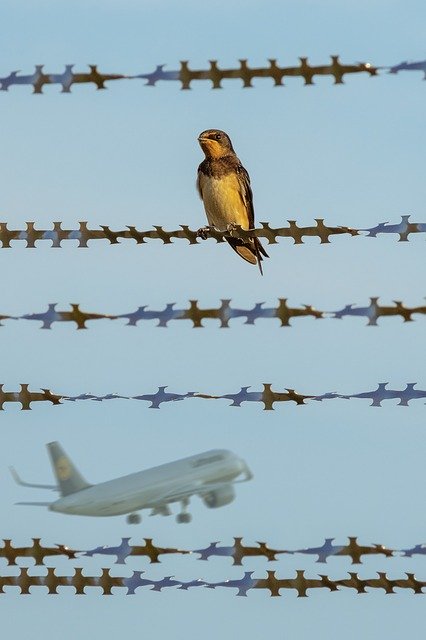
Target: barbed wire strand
269,582
223,313
267,396
238,551
30,236
185,75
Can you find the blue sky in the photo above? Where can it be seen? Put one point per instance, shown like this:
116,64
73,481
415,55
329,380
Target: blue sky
352,154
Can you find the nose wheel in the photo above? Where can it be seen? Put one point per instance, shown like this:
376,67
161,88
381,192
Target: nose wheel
133,518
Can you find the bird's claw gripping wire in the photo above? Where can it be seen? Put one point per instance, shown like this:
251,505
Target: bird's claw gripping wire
203,232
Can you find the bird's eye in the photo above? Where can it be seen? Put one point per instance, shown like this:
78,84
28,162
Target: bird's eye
218,136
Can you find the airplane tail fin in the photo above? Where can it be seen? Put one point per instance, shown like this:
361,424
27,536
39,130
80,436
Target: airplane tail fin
69,478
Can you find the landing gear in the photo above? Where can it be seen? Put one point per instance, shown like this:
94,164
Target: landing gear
133,518
184,516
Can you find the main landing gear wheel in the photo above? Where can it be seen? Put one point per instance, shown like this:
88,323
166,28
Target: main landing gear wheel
183,518
134,518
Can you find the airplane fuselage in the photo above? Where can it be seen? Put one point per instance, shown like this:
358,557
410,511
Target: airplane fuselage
146,489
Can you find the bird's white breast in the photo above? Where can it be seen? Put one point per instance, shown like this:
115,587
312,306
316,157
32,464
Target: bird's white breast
223,202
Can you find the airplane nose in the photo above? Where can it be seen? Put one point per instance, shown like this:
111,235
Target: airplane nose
245,469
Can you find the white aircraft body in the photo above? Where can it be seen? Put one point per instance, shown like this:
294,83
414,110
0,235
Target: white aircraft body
210,475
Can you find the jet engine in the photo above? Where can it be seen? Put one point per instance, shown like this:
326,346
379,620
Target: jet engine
219,497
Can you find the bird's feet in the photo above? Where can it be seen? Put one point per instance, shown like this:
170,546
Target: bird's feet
203,233
231,228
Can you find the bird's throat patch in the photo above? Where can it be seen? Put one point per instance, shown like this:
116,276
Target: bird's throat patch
212,148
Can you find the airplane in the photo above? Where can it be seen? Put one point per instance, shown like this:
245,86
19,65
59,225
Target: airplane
209,475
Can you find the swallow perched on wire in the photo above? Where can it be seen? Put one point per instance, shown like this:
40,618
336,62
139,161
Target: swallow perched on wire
224,187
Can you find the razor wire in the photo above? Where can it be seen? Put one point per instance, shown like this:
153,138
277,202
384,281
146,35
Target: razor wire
223,313
267,396
238,551
271,582
36,551
83,235
186,75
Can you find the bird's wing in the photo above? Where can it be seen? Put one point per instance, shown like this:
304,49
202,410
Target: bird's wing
246,193
199,175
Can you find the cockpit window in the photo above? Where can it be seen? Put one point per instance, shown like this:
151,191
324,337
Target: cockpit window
202,461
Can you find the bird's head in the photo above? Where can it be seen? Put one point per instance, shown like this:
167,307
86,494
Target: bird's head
215,143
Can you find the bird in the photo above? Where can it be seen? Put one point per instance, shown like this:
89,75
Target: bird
224,187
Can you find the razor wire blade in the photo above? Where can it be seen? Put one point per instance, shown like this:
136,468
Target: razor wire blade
267,396
238,551
83,235
269,582
224,314
186,75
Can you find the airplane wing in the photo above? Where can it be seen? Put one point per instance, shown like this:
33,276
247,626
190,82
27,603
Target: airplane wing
18,480
190,489
35,504
199,488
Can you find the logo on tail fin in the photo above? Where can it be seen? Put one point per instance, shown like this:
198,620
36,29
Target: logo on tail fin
63,468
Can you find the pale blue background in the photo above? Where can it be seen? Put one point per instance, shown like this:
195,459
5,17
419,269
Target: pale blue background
353,154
